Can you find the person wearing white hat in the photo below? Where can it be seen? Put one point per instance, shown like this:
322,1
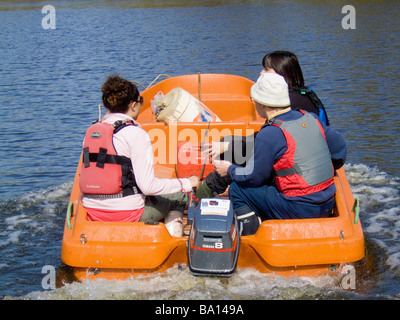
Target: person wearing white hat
271,90
237,149
290,174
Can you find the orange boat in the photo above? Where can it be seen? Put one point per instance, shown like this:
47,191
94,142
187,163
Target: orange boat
117,250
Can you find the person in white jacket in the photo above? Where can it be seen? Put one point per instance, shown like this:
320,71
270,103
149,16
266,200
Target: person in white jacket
156,198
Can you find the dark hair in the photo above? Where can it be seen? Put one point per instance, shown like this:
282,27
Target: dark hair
287,65
118,93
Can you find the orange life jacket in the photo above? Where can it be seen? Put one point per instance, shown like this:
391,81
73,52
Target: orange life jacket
104,174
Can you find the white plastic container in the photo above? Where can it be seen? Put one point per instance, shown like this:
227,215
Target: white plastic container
180,106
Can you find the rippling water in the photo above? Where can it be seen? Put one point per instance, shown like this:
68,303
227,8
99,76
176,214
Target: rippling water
50,88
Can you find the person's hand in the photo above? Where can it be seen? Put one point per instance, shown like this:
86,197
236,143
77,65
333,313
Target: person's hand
194,181
221,166
214,149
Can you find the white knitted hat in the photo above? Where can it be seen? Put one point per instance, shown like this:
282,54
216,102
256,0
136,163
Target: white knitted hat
271,90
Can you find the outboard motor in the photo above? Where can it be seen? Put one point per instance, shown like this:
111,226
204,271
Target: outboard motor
213,244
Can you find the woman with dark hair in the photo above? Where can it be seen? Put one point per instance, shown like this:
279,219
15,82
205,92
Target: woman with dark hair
117,177
287,65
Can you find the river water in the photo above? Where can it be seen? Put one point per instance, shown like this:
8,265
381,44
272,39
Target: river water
50,87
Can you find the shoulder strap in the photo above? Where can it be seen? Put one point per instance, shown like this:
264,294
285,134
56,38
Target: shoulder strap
315,100
120,124
274,122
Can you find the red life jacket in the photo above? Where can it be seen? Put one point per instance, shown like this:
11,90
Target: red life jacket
104,174
306,167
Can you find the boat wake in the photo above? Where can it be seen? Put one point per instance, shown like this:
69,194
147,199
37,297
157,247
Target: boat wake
379,195
32,231
178,283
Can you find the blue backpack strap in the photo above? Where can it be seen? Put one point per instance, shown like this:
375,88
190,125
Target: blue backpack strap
323,116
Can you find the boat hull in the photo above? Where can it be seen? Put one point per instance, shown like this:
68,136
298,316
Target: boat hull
118,250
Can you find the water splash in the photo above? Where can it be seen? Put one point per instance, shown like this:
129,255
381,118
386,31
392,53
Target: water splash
177,283
42,213
379,194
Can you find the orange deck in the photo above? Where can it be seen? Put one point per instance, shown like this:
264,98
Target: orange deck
117,250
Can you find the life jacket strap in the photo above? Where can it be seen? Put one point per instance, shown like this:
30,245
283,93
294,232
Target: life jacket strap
126,192
103,196
287,172
102,157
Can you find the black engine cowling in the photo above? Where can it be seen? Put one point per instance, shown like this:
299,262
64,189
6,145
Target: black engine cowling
214,239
